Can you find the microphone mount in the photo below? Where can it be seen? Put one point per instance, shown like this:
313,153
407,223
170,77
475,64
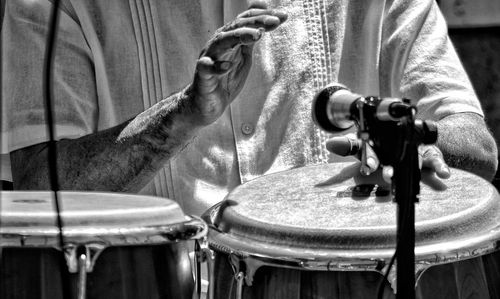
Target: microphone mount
390,127
336,108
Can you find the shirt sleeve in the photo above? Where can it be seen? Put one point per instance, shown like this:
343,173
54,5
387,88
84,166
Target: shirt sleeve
24,34
422,64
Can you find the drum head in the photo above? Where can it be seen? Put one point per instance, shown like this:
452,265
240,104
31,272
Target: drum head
321,212
29,219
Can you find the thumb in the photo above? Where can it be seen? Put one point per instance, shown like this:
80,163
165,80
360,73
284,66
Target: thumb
346,145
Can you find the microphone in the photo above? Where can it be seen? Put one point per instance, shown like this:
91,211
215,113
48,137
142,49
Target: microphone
335,108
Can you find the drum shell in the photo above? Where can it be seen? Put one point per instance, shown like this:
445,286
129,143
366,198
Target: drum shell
157,271
280,283
474,278
299,217
138,246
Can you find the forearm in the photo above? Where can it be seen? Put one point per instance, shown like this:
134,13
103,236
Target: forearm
467,144
123,158
126,157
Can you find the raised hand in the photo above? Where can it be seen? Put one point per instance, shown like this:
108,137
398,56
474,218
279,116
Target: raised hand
224,63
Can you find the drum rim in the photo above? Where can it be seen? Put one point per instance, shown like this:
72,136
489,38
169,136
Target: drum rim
428,230
428,252
426,255
191,228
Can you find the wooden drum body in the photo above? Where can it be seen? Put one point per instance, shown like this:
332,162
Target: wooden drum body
315,232
133,246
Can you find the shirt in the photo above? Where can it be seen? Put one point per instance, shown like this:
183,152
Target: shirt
115,58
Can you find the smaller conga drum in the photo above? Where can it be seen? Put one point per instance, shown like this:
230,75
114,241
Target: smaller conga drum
115,246
315,232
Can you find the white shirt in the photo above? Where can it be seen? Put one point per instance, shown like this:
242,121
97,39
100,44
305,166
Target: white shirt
115,58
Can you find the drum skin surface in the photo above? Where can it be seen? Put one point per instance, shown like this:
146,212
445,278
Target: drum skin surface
320,215
143,255
304,207
86,217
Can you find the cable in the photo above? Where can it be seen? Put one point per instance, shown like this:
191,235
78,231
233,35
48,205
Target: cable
52,150
2,10
380,288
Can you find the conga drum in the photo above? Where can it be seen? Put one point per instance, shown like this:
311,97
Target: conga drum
115,245
315,232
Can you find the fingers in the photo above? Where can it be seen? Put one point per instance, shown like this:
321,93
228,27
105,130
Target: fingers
432,158
207,68
429,178
346,145
224,42
258,4
351,145
251,13
246,29
208,72
266,22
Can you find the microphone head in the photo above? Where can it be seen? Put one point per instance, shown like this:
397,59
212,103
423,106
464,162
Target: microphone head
320,108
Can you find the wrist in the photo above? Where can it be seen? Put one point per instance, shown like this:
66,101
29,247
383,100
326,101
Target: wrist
189,111
201,110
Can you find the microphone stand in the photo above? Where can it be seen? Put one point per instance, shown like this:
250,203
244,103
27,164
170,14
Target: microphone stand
389,126
406,181
396,144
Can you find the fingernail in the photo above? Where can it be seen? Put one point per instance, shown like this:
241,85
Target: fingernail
259,34
445,168
272,21
281,15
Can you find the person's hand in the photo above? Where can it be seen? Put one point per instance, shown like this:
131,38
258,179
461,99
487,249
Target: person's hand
431,161
224,63
433,166
350,145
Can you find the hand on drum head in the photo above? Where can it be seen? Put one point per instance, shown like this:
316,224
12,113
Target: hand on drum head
431,162
433,167
350,145
432,159
372,173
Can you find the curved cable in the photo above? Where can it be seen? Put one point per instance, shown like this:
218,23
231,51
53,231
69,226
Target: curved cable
52,150
380,288
2,10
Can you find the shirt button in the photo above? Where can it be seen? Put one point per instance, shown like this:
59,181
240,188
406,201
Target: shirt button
246,128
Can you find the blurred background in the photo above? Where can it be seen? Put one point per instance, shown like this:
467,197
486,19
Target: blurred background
474,28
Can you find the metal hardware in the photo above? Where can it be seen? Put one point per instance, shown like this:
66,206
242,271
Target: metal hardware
239,277
92,252
82,276
81,259
204,254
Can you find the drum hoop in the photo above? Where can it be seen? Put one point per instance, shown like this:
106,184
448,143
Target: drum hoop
192,229
426,255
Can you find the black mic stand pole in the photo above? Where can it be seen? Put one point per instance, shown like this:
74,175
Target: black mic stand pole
397,145
406,181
